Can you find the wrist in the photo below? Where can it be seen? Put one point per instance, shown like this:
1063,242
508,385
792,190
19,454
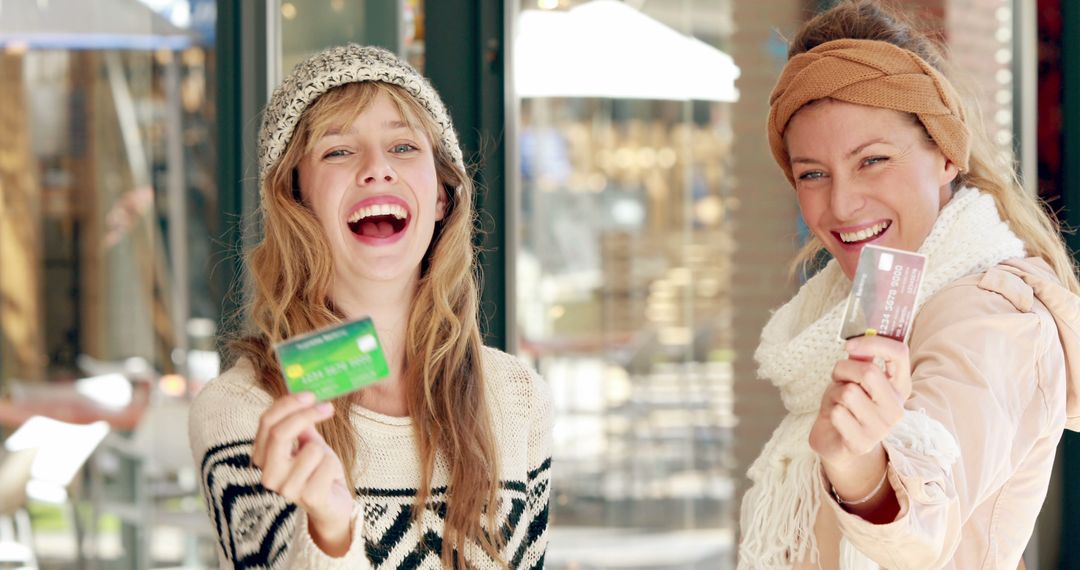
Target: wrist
870,460
868,497
333,536
858,479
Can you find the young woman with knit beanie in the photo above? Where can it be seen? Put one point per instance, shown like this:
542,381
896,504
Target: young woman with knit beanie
367,210
936,453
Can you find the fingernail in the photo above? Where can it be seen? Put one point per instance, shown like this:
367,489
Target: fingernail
324,408
305,397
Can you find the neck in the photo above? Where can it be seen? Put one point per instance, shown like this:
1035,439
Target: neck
388,304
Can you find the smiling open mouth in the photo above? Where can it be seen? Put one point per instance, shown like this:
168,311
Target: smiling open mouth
379,221
872,232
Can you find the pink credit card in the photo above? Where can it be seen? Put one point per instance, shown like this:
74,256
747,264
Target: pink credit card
883,293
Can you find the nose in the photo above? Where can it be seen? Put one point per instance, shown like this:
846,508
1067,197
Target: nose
846,200
375,168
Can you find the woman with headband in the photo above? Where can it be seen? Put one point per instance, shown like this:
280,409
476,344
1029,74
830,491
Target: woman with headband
936,453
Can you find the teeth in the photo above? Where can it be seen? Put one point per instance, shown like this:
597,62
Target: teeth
849,237
378,210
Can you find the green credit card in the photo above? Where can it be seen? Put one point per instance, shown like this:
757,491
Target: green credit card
333,361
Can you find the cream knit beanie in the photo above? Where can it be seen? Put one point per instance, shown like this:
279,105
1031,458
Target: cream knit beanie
337,66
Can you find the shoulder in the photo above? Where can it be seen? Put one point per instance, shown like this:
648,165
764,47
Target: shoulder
228,408
981,307
996,291
505,369
236,389
510,379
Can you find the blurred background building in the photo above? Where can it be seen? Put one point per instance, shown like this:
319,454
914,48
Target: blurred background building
637,233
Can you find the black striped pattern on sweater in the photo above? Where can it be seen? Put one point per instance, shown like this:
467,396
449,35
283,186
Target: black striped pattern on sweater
254,525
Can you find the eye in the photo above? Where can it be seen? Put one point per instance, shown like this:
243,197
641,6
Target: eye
402,148
875,160
811,175
335,153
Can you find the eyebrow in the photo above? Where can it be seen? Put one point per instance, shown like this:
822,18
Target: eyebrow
851,153
392,125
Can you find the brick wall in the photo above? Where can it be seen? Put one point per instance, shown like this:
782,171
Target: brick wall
972,32
765,221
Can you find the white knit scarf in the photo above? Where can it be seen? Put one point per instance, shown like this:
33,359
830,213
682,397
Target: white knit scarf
798,349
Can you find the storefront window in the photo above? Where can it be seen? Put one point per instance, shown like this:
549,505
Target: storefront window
108,186
308,26
108,212
623,272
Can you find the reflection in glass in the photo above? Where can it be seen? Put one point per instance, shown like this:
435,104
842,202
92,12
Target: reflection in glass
623,278
112,150
108,209
309,26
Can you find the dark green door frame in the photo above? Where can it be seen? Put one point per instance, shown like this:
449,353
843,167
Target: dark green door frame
464,52
241,76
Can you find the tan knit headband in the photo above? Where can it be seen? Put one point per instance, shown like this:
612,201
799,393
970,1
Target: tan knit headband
875,74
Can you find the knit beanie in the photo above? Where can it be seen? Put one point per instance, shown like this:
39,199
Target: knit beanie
338,66
875,74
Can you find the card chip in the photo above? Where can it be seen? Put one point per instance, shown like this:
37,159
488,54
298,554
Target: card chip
885,262
367,343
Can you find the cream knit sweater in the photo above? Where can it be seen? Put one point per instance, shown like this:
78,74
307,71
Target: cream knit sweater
257,528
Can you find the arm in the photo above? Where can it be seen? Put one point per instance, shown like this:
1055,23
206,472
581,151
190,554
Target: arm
256,527
974,380
538,485
307,554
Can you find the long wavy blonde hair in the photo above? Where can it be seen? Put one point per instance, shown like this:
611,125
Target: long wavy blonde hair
989,169
291,272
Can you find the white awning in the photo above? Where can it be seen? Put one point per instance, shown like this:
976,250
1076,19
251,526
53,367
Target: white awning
87,24
607,49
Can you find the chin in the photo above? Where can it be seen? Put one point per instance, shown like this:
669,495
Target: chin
385,270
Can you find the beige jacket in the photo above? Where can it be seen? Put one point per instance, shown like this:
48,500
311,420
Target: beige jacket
995,358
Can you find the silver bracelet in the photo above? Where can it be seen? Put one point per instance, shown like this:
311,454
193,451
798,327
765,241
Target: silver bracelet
884,477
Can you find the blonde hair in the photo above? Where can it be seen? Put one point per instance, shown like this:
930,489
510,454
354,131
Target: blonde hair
988,169
291,272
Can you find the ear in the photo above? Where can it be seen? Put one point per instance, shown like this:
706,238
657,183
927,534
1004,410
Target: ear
949,172
440,203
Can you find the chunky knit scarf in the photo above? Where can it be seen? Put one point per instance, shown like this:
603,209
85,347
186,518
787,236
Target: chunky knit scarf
798,349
